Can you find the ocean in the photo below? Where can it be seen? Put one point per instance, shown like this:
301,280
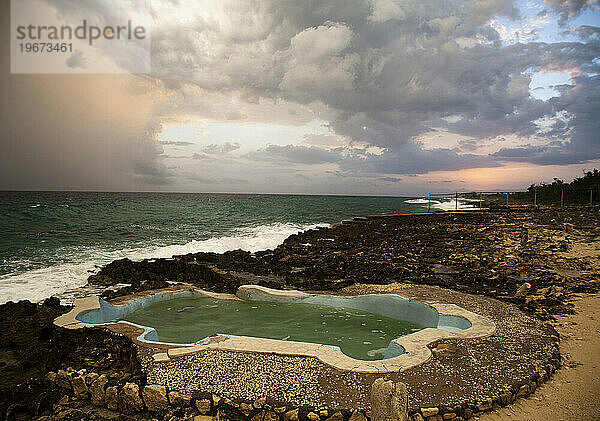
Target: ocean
50,242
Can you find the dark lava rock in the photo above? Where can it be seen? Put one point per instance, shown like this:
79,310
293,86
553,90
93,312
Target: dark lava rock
489,253
155,273
31,345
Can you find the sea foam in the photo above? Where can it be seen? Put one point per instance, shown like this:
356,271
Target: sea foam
448,204
61,279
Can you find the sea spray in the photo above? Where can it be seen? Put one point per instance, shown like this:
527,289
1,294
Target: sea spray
53,241
35,285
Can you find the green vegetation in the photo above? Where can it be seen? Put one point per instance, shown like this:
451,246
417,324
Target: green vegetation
583,190
576,192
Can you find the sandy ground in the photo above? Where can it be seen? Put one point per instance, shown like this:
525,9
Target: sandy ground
573,393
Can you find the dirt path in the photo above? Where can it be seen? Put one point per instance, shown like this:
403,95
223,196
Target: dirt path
574,391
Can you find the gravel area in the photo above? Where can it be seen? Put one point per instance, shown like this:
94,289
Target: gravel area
241,375
474,369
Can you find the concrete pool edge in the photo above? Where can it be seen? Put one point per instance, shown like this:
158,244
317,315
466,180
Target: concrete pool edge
414,346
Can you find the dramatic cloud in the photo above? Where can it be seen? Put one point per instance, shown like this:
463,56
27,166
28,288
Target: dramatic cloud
226,147
175,143
381,73
360,161
589,32
63,140
296,154
378,74
571,8
77,132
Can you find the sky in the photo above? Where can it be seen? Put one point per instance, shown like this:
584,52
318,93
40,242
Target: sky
377,97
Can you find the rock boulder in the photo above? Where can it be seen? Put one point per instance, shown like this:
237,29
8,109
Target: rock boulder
130,399
97,390
389,401
155,397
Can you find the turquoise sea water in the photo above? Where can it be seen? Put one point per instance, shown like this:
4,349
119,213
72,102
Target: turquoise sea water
50,241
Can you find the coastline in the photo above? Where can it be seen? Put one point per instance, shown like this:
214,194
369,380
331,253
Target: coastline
452,250
37,261
489,253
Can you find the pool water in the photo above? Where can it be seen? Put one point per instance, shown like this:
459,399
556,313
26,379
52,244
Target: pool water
359,334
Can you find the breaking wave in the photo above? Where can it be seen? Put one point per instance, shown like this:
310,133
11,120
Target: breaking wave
59,279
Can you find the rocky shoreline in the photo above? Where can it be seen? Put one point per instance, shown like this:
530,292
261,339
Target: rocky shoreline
546,253
487,253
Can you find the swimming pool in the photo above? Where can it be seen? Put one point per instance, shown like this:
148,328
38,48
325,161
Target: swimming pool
363,328
358,333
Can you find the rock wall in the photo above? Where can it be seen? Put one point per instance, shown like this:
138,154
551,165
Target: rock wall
137,401
157,402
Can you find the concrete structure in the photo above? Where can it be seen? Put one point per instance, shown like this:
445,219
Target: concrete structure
441,321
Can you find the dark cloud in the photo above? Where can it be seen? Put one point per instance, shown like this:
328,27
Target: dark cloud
414,161
571,8
71,146
581,103
588,32
526,151
176,143
296,154
356,161
77,132
541,155
222,149
380,73
467,145
126,56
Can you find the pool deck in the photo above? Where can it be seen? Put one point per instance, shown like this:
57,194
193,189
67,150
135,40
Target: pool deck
452,370
414,346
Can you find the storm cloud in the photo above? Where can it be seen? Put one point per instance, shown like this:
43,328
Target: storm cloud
382,76
383,73
214,149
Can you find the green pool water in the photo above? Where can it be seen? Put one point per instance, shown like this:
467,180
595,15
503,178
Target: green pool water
359,334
